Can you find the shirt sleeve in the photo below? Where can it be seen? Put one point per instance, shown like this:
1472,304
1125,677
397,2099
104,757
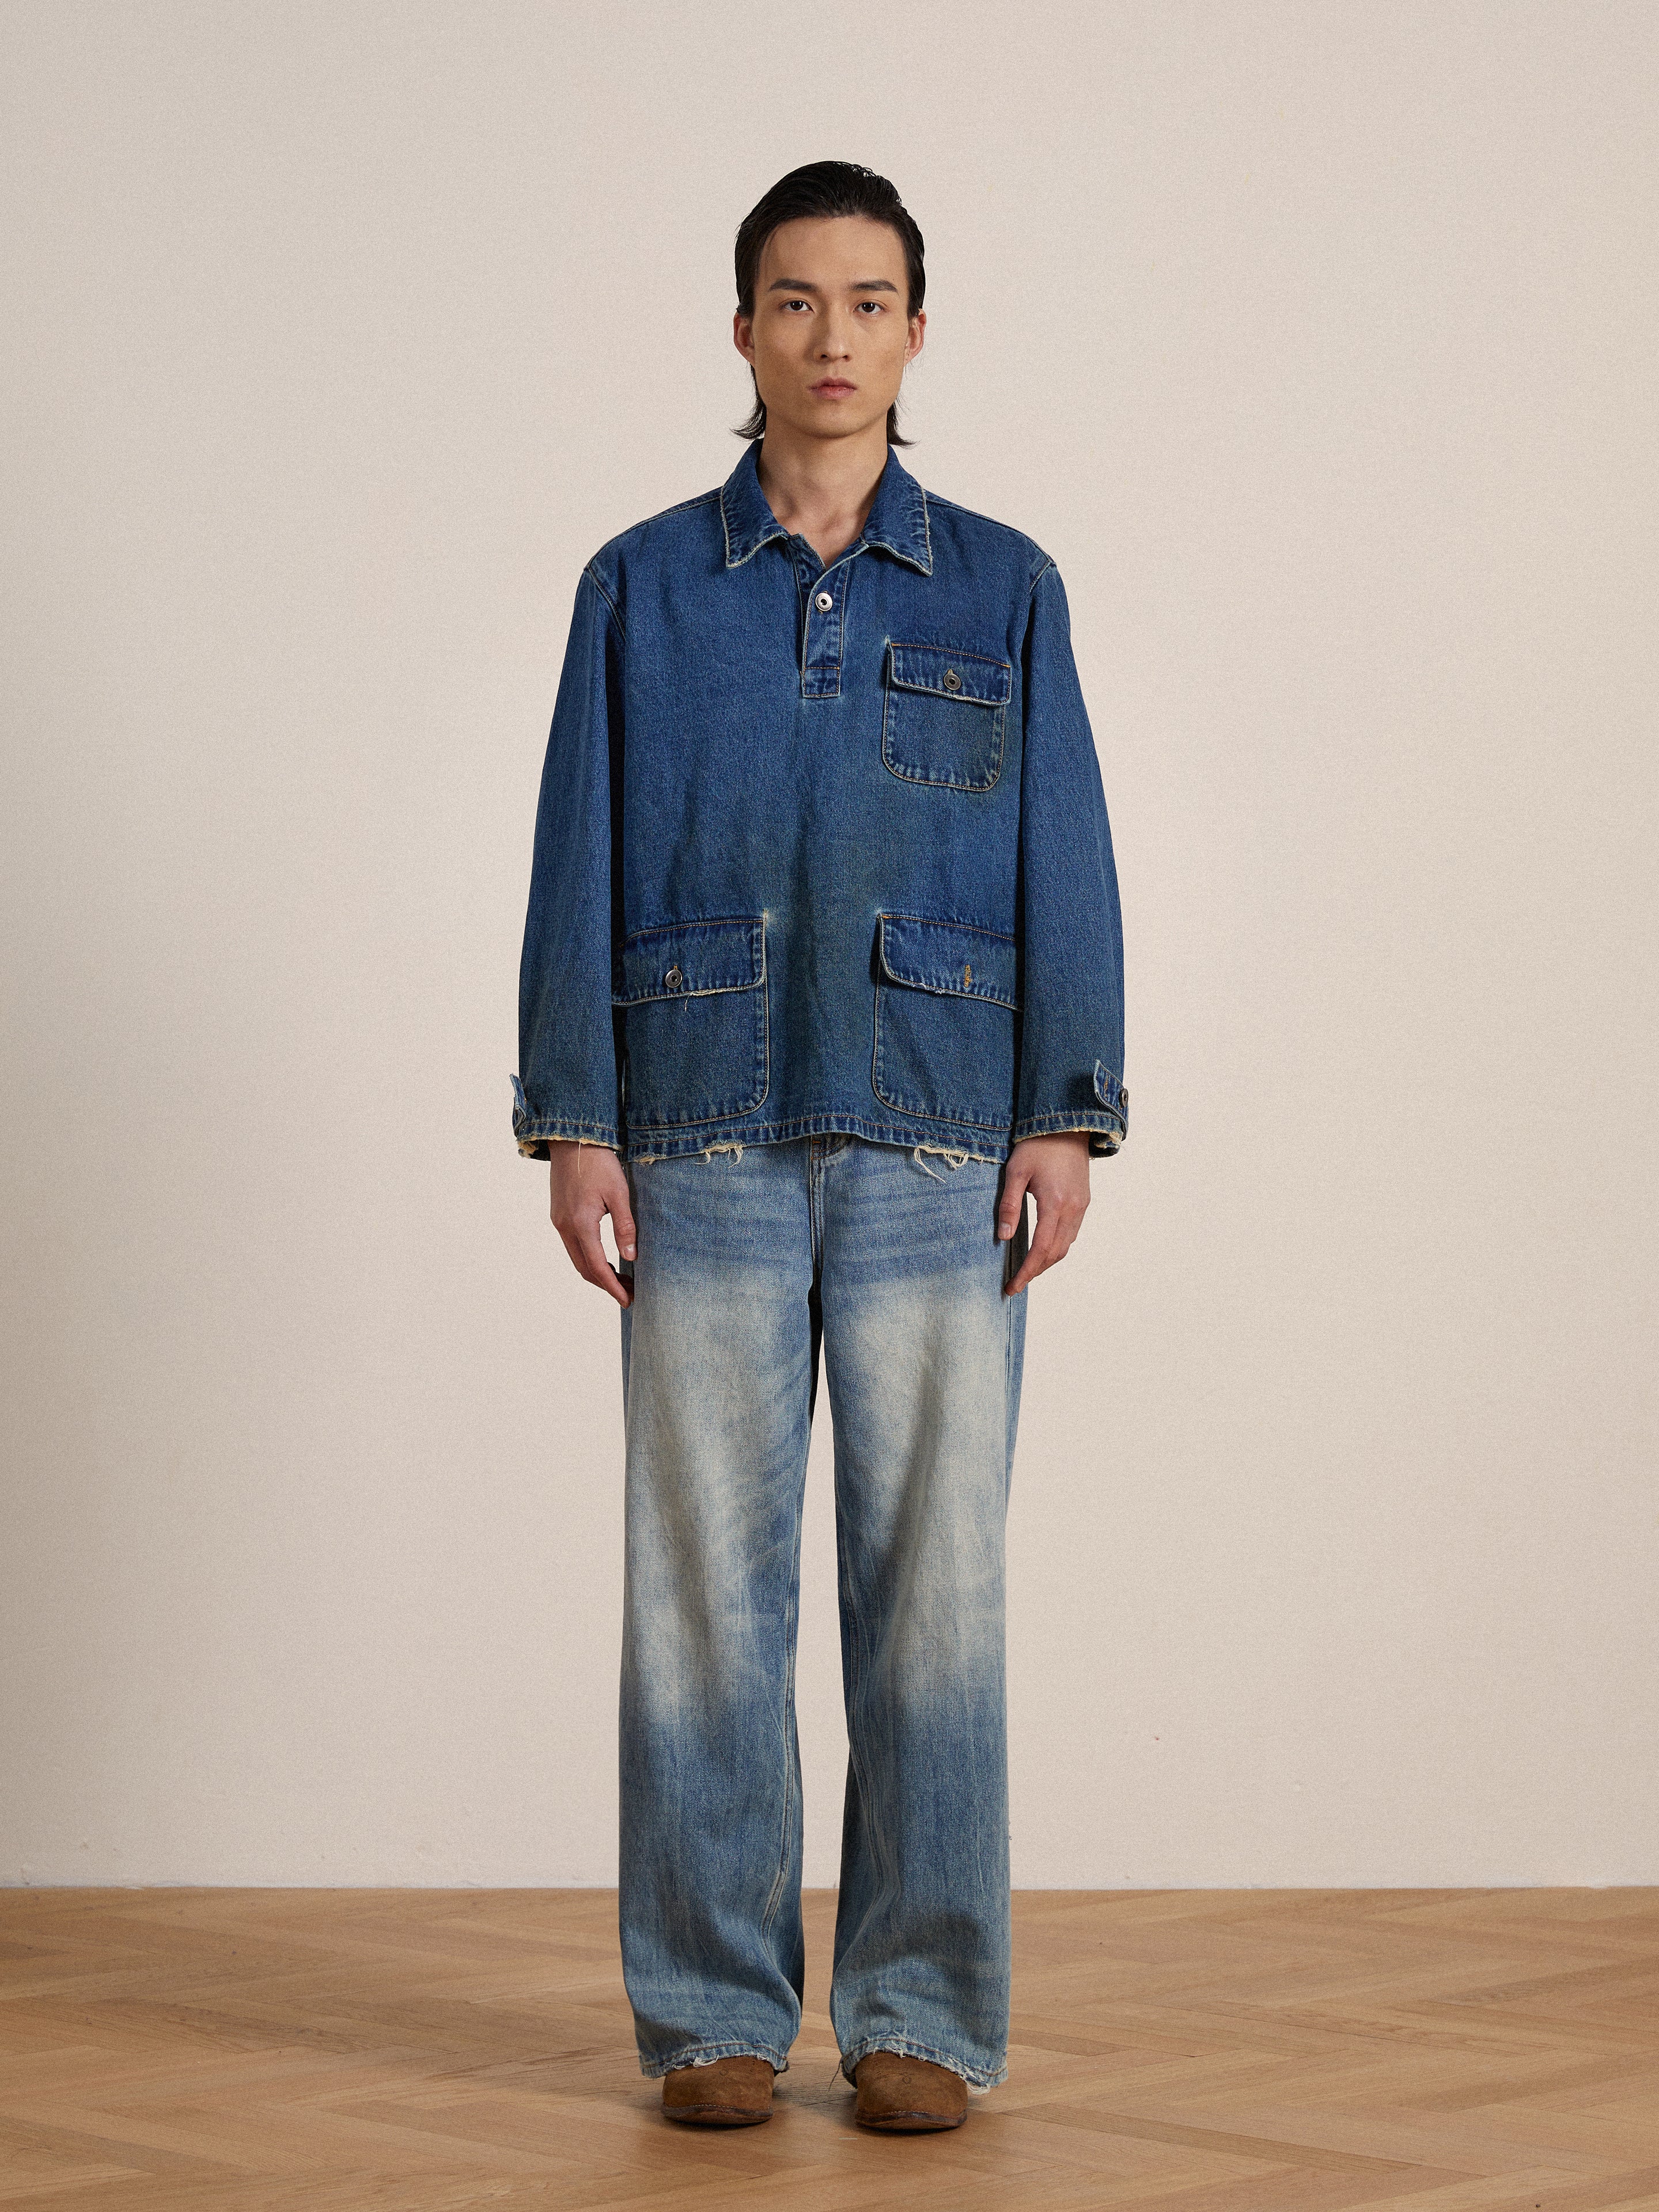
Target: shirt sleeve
569,1083
1071,1051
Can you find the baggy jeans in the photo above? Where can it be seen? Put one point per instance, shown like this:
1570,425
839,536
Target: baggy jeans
749,1257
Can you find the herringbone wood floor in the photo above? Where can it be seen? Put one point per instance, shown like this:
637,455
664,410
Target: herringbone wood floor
415,2050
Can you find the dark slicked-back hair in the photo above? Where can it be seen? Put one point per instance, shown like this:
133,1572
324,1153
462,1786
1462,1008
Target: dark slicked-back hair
825,188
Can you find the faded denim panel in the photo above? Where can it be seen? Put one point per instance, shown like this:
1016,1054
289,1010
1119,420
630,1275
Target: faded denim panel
752,747
753,1262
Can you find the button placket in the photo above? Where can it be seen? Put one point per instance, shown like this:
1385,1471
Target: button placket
826,602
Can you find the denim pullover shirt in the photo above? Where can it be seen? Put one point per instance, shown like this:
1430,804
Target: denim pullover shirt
820,847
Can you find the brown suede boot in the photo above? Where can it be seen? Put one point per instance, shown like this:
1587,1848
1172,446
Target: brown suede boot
905,2096
732,2092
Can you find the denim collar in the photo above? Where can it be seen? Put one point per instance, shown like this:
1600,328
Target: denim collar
898,518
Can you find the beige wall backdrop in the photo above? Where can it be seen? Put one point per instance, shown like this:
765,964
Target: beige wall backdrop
1316,342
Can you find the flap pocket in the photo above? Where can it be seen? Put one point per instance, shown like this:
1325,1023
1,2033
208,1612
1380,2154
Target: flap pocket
952,957
972,677
689,959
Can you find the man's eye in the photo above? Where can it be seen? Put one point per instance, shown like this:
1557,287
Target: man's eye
876,304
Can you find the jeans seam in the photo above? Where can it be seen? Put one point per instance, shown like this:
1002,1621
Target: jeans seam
858,1672
790,1630
1011,1350
776,1897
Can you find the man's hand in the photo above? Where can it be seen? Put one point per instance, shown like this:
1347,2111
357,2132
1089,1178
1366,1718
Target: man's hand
1056,1170
588,1182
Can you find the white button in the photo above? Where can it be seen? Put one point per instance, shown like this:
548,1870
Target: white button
824,599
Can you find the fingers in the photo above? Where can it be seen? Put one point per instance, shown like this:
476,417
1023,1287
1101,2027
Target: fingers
1016,1177
587,1258
622,1220
1060,1216
587,1182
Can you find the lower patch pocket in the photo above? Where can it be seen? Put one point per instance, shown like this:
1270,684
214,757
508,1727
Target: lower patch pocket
947,995
942,717
695,1020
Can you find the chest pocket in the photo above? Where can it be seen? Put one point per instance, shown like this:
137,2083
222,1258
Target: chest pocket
943,713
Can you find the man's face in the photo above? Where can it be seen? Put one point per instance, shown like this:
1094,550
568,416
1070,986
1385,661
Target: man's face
828,338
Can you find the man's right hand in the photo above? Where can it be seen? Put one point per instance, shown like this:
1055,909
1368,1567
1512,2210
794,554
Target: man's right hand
588,1182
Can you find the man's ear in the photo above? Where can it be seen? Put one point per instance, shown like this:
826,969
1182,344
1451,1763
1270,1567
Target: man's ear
742,336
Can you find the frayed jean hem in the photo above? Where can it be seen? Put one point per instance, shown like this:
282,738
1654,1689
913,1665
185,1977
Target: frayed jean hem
705,2054
976,2077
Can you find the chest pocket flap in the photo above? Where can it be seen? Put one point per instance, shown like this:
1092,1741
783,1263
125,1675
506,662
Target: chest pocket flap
972,676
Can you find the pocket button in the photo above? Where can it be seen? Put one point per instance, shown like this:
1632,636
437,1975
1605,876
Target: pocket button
673,979
952,681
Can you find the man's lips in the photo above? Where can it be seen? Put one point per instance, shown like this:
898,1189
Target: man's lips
833,384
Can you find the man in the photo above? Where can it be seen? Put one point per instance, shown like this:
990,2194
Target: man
822,975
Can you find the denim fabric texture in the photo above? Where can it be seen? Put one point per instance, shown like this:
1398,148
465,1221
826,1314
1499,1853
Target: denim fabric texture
820,847
751,1259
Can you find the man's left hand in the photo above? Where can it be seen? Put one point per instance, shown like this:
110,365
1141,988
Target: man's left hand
1056,1170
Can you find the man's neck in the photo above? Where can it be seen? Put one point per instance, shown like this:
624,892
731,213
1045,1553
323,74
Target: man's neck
823,488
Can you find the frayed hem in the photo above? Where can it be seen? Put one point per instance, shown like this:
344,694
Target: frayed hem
978,2078
705,2054
958,1155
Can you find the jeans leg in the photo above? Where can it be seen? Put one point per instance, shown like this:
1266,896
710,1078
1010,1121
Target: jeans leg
922,1361
719,1351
